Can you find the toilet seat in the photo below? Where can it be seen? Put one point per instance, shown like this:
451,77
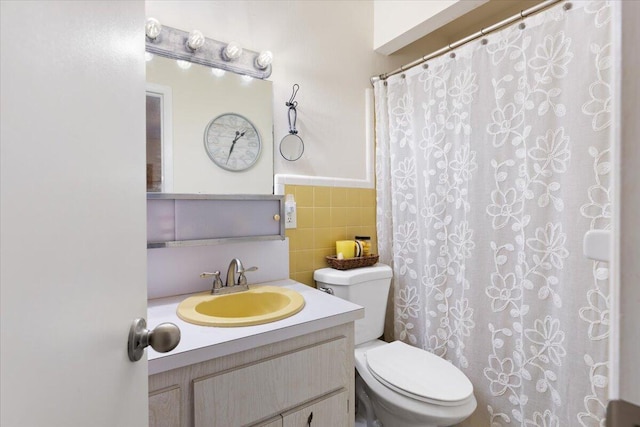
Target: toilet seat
418,374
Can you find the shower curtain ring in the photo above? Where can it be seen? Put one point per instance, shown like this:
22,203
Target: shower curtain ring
522,25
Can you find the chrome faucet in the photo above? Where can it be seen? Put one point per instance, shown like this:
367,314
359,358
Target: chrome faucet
217,283
231,284
236,267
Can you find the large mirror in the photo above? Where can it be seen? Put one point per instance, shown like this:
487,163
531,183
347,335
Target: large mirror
188,151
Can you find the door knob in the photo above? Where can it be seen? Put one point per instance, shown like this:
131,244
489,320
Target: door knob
165,337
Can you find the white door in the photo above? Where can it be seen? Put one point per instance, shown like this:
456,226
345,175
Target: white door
72,213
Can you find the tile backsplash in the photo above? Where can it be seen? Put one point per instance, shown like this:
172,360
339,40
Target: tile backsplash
327,214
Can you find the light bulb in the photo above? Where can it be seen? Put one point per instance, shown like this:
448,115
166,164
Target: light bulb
196,40
217,72
185,65
152,28
264,59
232,51
148,56
246,78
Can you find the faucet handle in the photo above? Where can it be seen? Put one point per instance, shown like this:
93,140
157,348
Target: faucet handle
242,279
217,282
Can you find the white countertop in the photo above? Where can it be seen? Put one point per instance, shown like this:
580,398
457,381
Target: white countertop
200,343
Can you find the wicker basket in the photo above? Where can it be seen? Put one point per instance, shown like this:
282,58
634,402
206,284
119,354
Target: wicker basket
349,263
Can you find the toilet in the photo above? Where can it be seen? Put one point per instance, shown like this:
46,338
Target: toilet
397,384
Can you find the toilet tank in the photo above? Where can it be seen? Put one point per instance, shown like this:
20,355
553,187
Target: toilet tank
365,286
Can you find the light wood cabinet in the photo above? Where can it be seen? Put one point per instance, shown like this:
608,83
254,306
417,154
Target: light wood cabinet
164,408
277,385
327,411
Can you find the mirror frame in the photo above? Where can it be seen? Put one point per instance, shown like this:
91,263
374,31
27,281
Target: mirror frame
171,43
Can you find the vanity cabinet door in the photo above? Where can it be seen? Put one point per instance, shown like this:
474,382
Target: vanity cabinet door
329,411
164,408
242,396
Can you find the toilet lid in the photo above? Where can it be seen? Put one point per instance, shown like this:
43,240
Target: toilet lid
418,374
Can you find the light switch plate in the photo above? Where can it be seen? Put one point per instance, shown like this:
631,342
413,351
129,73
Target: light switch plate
290,215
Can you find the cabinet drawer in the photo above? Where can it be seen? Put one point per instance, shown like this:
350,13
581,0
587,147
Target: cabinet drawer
164,408
329,411
249,393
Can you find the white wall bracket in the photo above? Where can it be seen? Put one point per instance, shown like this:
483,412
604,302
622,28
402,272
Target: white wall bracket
597,245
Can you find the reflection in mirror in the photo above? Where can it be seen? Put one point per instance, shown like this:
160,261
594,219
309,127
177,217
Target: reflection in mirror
154,143
189,98
159,135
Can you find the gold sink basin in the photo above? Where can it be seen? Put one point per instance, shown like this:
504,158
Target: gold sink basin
258,305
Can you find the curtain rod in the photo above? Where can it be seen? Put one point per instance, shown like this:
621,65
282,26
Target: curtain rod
483,32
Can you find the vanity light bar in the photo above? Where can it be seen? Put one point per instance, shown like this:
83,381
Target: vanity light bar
177,44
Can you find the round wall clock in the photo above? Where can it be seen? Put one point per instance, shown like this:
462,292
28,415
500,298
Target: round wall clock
232,142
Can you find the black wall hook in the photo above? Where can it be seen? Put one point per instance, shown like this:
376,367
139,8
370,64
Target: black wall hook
293,113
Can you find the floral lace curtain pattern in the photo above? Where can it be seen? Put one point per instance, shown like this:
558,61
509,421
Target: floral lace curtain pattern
492,163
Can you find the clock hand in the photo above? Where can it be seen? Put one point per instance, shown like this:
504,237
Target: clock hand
233,143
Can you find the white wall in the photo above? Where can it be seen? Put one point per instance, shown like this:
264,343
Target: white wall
396,23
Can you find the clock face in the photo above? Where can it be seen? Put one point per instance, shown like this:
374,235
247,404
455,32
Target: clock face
232,142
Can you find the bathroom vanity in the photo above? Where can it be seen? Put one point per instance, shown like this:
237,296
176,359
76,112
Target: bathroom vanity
285,373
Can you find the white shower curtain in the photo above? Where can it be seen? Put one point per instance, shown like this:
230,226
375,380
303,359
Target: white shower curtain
492,163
